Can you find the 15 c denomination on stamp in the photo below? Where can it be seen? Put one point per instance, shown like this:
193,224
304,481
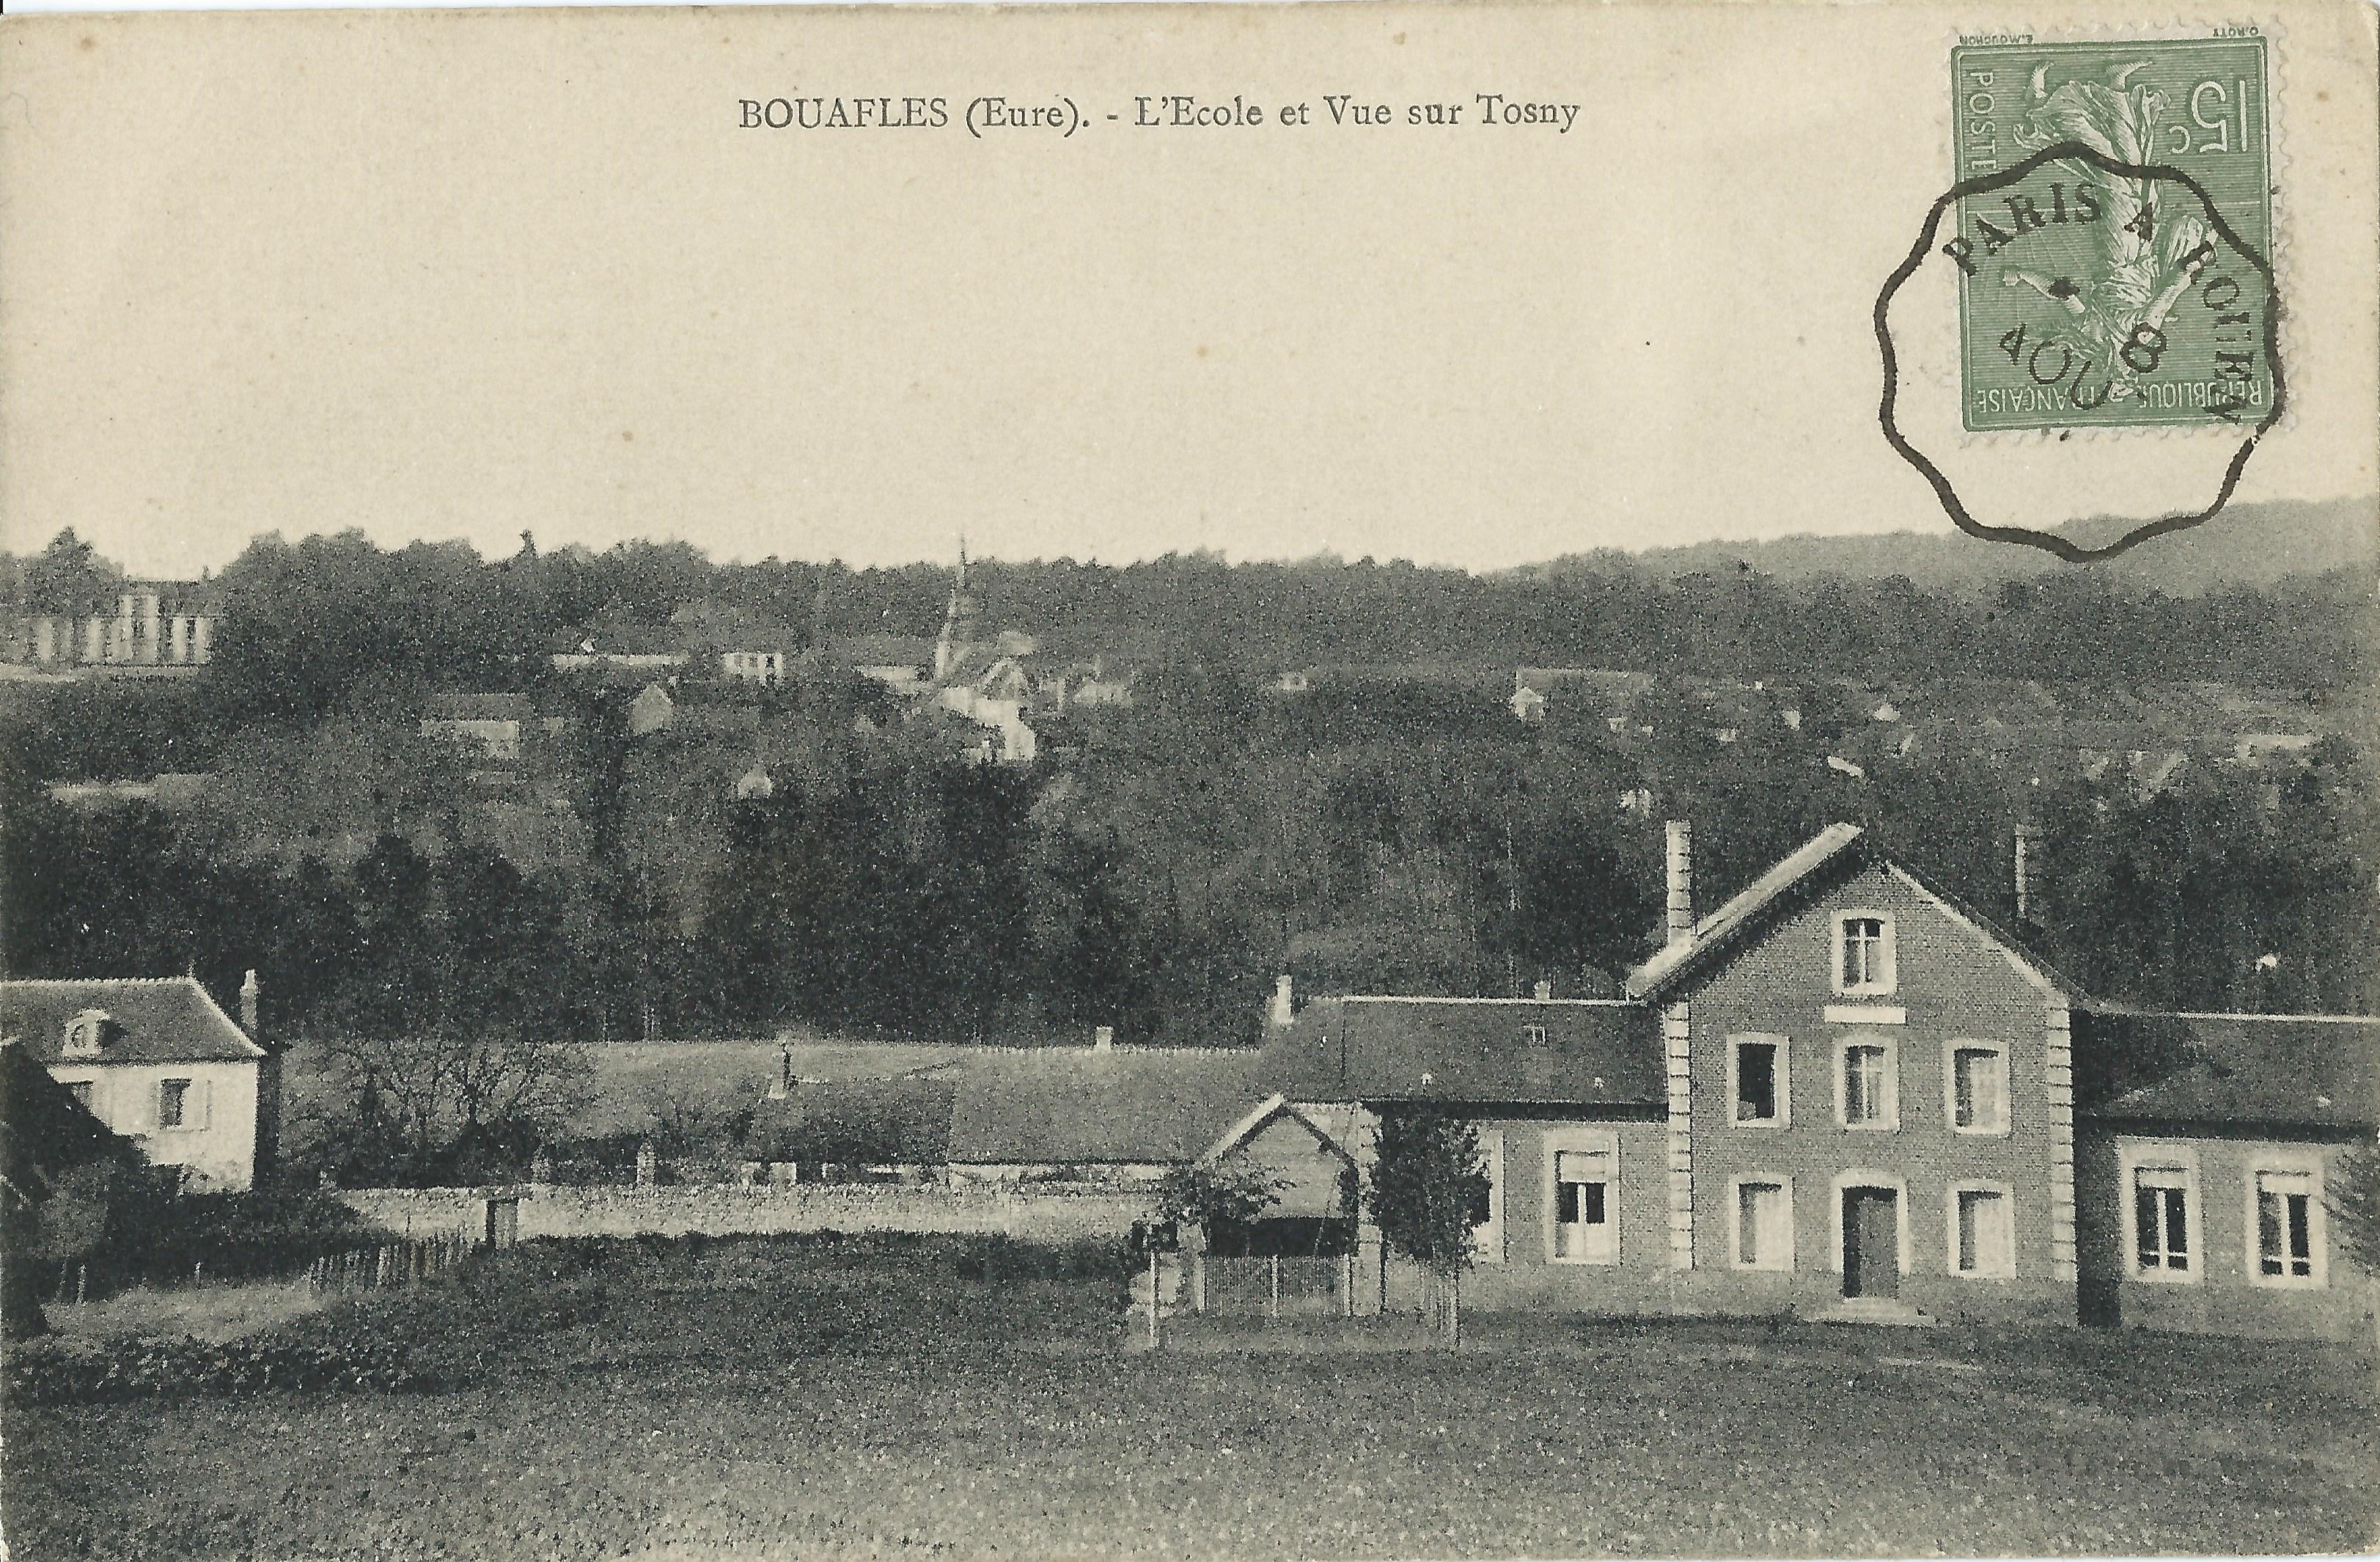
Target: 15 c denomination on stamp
2123,281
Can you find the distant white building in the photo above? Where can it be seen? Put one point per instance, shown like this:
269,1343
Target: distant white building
753,666
150,624
160,1063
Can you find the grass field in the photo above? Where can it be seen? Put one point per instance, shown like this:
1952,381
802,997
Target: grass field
808,1397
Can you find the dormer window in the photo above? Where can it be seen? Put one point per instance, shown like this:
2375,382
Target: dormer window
86,1033
1865,964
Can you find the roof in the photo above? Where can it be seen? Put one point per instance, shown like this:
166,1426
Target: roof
2283,1070
1723,925
1036,1106
900,1121
1069,1105
161,1019
1581,1051
1830,849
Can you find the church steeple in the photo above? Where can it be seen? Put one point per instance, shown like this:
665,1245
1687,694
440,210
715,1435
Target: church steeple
960,630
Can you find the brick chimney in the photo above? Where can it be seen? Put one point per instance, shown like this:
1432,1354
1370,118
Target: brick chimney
1545,990
1103,1037
248,993
1681,881
1283,1008
782,1085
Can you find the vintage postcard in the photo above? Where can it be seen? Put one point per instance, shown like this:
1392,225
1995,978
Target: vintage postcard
1310,780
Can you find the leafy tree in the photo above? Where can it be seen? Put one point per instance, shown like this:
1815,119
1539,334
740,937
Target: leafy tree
2354,1200
69,576
1575,903
1215,1196
1428,1192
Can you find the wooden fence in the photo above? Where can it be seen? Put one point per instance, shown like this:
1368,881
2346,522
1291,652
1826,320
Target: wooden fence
389,1265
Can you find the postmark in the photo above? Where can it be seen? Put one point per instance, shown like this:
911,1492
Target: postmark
2122,281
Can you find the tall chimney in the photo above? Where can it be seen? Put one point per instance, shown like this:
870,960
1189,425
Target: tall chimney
1545,990
1103,1037
2024,880
782,1085
248,996
1283,1008
1681,881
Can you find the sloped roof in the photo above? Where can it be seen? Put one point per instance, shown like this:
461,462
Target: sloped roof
1834,847
1599,1052
160,1019
899,1121
1067,1105
2292,1070
1723,925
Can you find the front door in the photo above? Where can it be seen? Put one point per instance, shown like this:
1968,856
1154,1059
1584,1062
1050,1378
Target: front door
1871,1242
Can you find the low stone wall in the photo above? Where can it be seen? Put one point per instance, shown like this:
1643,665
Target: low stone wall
720,1210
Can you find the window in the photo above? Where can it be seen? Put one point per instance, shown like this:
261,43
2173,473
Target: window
2286,1226
1979,1081
1758,1081
2161,1220
86,1033
172,1103
1488,1213
1863,953
1868,1084
1982,1232
1764,1223
1533,1035
1586,1207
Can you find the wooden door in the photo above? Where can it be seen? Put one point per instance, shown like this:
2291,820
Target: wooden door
1871,1242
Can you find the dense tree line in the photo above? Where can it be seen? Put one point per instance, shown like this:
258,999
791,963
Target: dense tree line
1401,834
308,625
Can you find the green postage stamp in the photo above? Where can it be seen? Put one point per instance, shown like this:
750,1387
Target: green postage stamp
2114,237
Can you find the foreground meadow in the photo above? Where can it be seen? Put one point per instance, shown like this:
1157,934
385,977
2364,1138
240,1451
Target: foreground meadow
815,1397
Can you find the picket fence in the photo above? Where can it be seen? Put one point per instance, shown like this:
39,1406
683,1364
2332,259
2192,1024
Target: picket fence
385,1265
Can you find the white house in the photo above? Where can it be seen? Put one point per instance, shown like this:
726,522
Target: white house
753,666
159,1061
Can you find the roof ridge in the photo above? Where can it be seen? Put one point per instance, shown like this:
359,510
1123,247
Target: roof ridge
2243,1013
95,981
1437,998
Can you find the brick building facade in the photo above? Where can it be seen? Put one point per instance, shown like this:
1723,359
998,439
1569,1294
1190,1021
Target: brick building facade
1843,1095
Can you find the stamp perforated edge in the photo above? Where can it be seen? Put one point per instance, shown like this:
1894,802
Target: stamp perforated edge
2276,153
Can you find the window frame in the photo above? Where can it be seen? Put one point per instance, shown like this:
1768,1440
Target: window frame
1889,949
2006,1196
1533,1034
1951,1050
1889,1120
1581,1141
2288,1163
1783,1080
1735,1259
182,1105
2161,1154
